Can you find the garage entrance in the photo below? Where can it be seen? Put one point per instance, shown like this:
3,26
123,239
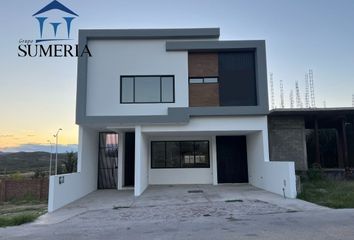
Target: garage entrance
231,159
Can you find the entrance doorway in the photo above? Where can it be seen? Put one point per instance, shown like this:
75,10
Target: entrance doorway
108,160
231,159
129,159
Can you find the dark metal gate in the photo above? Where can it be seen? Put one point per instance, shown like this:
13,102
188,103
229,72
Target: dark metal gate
108,160
231,154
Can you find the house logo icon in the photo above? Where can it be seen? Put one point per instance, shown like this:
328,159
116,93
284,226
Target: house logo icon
54,27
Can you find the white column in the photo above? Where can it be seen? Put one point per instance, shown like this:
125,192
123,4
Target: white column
138,162
214,160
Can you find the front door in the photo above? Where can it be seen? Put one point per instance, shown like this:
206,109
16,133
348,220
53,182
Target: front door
231,159
129,159
108,160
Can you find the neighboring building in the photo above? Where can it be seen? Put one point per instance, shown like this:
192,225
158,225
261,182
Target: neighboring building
185,107
322,136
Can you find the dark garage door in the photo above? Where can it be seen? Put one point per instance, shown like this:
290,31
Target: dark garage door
231,159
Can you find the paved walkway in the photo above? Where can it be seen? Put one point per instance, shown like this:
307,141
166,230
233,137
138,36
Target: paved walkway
189,212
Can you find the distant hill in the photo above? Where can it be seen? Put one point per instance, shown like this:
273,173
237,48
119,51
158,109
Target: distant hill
3,153
26,161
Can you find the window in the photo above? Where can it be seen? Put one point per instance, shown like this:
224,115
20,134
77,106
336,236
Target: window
203,80
180,154
147,89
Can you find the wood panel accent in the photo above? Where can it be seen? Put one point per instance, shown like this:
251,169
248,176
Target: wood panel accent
204,95
203,64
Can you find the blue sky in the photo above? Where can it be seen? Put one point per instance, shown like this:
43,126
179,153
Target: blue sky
37,96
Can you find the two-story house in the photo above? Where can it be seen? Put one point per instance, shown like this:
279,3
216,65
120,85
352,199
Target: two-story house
171,106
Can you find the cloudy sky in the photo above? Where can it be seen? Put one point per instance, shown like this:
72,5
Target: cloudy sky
37,95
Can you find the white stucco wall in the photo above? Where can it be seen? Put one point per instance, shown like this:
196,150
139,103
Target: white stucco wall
77,185
242,125
276,177
113,58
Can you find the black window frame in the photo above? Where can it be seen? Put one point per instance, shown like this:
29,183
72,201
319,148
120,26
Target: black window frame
203,80
159,76
180,155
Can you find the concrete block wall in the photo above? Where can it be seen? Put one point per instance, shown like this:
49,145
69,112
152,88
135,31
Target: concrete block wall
19,189
287,140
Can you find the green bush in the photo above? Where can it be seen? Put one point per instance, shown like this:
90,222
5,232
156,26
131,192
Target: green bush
39,173
315,173
17,219
16,176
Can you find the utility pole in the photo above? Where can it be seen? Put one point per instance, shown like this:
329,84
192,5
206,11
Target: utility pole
272,90
298,98
353,100
50,158
281,94
56,150
324,104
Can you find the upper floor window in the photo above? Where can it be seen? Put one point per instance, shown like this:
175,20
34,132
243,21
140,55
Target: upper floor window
203,80
147,89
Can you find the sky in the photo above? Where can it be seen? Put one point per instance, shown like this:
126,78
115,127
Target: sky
37,95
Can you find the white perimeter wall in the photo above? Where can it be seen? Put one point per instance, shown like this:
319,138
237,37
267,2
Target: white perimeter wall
277,177
113,58
77,185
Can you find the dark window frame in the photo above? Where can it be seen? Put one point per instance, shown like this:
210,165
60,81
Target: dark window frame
217,77
180,154
159,76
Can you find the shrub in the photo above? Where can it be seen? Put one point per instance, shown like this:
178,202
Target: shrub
315,173
70,163
39,173
17,219
16,176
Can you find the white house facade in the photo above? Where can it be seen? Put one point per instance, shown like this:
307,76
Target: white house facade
171,106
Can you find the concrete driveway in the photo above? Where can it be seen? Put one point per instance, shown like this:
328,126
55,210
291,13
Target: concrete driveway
237,211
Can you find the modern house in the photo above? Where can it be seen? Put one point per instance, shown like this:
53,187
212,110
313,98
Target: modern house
171,106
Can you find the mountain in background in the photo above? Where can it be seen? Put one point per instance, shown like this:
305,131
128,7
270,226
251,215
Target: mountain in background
3,153
27,161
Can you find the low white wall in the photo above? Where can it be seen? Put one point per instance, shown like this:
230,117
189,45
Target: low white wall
77,185
276,177
181,176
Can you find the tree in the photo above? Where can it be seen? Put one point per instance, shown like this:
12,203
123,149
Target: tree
70,163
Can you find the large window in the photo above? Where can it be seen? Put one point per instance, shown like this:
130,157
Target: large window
147,89
180,154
